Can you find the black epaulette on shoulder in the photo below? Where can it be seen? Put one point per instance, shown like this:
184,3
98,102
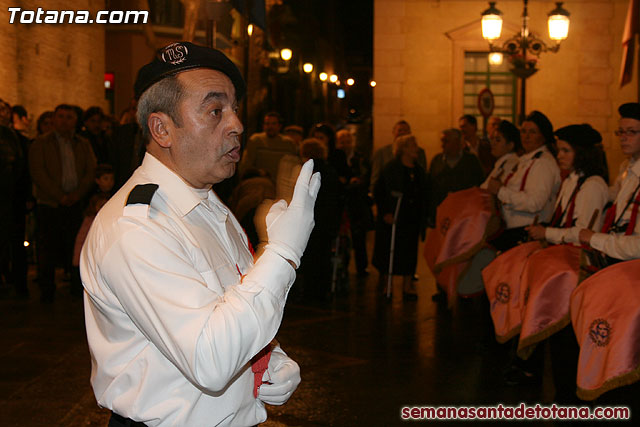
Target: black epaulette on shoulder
538,155
139,200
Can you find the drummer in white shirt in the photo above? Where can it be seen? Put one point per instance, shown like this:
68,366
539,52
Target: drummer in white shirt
529,192
583,192
619,237
505,146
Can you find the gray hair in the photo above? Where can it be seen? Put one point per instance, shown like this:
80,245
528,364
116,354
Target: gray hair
162,97
400,144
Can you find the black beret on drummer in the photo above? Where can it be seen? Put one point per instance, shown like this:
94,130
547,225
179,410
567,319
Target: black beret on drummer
579,135
630,110
184,56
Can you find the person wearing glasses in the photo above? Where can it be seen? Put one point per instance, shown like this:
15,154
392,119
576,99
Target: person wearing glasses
618,237
529,191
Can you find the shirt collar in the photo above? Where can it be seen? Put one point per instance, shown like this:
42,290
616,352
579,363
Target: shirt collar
634,166
574,176
61,138
529,156
182,196
504,158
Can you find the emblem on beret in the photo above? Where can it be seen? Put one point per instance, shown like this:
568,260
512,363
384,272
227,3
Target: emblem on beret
600,332
174,54
444,226
503,293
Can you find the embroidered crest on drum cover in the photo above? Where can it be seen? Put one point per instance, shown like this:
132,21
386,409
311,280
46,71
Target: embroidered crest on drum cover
444,226
503,293
600,332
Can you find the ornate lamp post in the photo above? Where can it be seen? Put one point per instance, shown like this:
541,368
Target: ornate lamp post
523,49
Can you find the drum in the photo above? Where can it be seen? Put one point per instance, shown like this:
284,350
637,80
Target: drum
605,313
503,286
464,220
549,277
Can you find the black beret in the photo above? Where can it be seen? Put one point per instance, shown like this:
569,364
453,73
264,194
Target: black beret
183,56
583,136
543,123
630,110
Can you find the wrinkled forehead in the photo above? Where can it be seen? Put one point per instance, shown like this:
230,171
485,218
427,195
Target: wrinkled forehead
627,122
206,85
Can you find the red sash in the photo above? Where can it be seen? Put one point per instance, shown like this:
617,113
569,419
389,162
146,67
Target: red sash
611,214
463,222
571,206
502,284
259,365
605,312
526,173
549,277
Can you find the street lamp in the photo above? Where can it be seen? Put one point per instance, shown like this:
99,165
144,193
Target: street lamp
350,82
307,67
333,78
523,49
286,54
323,76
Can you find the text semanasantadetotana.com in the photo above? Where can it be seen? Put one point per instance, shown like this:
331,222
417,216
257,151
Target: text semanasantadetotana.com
42,16
521,412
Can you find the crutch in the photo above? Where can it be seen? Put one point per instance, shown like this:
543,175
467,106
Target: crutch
393,239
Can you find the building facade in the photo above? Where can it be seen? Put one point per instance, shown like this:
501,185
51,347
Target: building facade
425,51
44,65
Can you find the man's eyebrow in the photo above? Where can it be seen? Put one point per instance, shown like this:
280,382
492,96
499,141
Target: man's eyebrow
213,96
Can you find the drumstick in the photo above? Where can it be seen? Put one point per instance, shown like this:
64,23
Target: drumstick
592,221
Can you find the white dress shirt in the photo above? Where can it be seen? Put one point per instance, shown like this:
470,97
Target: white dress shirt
617,245
504,165
592,195
519,208
171,324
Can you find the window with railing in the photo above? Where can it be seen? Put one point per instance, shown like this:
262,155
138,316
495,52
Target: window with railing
480,74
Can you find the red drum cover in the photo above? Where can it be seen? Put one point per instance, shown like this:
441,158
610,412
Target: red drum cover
549,277
502,284
463,222
605,312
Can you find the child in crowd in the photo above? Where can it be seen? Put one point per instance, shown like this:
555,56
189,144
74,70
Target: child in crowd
105,179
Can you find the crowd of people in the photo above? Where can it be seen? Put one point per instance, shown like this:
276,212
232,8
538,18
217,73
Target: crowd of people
59,175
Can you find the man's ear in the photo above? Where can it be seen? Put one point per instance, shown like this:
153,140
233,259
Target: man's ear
160,126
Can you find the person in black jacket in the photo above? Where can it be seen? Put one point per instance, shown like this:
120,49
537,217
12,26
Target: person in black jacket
315,269
453,170
402,177
357,200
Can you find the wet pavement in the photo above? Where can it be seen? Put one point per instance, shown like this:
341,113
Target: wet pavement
362,358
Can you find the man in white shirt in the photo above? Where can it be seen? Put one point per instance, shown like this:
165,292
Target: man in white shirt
620,237
180,321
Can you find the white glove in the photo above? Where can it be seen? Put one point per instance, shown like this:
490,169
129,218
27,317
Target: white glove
282,379
288,228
